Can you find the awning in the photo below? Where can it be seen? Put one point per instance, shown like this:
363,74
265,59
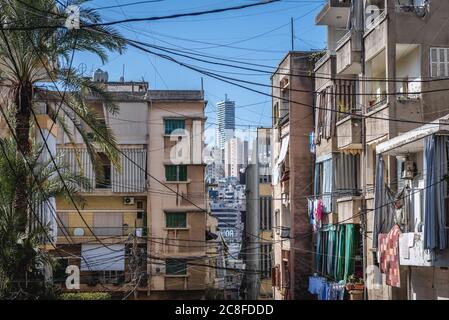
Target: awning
97,257
412,141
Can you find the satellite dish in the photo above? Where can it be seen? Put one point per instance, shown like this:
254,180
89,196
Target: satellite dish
78,232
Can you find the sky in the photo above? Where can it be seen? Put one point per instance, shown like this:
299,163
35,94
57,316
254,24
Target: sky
260,35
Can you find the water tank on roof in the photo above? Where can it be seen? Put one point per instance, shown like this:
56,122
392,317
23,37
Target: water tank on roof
101,76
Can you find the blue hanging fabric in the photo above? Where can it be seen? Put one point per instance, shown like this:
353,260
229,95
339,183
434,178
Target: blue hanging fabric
435,163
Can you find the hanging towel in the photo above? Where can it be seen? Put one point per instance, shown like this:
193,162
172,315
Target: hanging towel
389,256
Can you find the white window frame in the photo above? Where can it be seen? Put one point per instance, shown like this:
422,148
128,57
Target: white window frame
439,73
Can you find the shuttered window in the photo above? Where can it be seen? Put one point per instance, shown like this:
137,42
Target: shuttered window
176,220
175,267
176,173
174,124
265,213
439,62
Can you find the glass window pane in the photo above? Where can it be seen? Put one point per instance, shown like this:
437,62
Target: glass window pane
170,173
182,173
175,220
434,71
175,267
433,55
173,124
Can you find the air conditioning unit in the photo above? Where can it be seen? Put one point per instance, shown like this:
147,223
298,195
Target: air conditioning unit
285,232
128,200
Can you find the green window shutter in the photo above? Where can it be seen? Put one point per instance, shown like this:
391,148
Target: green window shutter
174,124
175,220
170,173
182,173
175,267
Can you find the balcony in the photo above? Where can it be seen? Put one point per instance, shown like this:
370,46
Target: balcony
349,54
335,13
99,225
349,209
375,36
349,133
324,69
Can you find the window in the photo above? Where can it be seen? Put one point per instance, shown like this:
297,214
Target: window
265,178
439,62
176,173
104,181
285,273
174,124
176,220
265,213
275,114
277,220
265,260
175,267
346,174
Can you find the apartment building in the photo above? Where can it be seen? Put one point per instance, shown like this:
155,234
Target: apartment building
177,224
148,216
257,249
292,165
101,234
375,88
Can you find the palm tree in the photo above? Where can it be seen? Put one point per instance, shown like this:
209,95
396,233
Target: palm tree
22,259
36,49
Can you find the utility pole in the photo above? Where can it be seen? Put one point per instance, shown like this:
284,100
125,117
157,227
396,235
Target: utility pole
292,35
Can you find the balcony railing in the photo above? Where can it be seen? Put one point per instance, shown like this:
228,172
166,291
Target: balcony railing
325,57
376,102
343,39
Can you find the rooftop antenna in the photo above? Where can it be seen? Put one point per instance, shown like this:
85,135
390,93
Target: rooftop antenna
292,33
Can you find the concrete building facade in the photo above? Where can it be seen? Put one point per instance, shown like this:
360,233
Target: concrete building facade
235,156
144,216
376,91
226,121
257,248
292,165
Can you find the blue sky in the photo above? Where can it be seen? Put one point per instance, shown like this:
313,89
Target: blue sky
257,35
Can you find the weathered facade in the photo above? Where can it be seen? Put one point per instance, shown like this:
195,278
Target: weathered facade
375,83
257,249
292,165
143,223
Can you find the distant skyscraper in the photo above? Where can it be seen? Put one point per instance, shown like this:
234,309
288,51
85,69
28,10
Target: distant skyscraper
235,157
226,121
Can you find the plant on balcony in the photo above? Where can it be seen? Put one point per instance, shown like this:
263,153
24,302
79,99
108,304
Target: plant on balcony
23,259
354,283
342,110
